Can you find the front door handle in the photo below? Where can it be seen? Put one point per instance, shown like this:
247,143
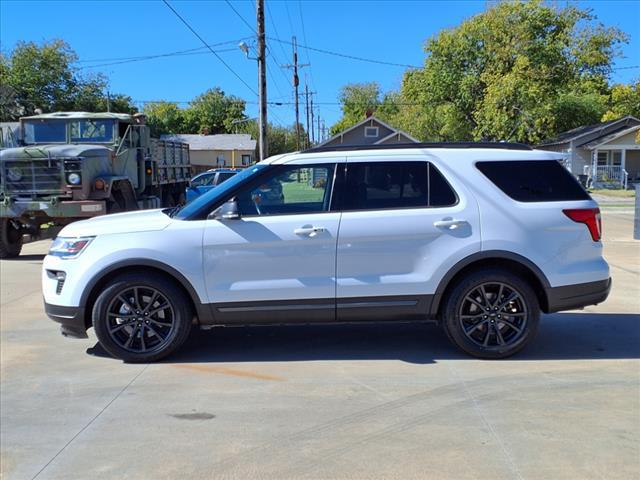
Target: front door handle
449,223
309,230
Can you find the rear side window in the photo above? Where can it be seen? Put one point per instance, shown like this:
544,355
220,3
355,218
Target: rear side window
392,185
534,180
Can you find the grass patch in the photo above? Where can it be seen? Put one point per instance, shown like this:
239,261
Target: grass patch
299,192
614,193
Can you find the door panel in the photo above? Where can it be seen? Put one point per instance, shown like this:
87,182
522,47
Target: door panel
401,252
280,253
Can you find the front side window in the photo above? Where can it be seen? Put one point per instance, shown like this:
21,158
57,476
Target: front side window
92,131
289,190
50,131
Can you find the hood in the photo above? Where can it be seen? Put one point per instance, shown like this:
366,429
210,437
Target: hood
129,222
60,150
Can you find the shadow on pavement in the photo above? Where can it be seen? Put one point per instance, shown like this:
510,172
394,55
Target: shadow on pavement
561,336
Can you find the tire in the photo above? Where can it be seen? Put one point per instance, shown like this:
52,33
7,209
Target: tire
10,239
149,332
508,325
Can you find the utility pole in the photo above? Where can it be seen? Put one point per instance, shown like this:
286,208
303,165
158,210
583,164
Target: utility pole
313,140
262,80
306,98
296,82
319,138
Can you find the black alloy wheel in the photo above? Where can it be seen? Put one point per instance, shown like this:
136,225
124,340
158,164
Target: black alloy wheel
142,317
491,314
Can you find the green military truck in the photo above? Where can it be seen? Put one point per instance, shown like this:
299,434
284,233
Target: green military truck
75,165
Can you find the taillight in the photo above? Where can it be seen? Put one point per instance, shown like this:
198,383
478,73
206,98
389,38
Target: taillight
590,217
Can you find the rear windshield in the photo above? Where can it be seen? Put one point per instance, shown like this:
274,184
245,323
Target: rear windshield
534,180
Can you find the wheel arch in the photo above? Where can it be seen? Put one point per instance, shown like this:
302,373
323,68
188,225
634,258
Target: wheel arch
495,259
97,283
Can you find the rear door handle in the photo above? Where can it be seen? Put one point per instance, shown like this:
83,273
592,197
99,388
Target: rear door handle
449,223
309,231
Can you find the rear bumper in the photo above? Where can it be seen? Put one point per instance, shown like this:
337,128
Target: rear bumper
577,296
71,318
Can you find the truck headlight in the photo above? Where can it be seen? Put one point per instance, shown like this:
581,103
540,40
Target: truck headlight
69,247
74,179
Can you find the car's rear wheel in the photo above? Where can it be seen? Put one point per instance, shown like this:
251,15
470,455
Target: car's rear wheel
141,318
491,314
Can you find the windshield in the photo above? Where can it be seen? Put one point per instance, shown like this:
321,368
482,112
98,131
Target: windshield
90,131
216,193
45,132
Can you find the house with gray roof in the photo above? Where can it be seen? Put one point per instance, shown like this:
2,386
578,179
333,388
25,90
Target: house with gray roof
217,151
370,131
606,154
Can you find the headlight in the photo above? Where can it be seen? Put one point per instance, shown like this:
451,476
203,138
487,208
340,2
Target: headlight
74,179
69,247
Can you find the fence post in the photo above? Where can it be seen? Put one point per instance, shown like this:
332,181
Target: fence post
636,223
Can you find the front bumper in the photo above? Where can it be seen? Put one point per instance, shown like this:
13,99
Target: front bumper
71,318
16,208
571,297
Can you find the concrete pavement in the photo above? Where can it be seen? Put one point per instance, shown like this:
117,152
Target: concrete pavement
353,402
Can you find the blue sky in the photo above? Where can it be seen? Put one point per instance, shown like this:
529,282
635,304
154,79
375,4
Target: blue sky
392,31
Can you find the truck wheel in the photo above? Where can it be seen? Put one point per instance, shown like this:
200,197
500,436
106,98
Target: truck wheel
142,318
10,239
491,314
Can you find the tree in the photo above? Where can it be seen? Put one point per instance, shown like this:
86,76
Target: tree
44,76
520,71
360,100
280,139
624,100
164,117
214,112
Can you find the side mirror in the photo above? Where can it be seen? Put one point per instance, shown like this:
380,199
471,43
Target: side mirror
228,211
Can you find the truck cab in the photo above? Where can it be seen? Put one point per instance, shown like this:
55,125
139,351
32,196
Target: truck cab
74,165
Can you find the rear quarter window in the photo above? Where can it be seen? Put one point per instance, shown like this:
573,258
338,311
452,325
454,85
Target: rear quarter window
534,180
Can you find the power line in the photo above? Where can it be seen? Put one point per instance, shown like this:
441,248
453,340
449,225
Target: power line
209,47
241,17
151,57
304,36
344,55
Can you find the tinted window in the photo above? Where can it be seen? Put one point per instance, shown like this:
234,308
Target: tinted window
388,185
289,190
440,192
534,181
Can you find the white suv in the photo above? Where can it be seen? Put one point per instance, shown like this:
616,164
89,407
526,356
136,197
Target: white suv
479,237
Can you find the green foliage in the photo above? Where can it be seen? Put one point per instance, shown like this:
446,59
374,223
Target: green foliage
213,112
164,117
520,71
279,139
624,100
43,76
360,100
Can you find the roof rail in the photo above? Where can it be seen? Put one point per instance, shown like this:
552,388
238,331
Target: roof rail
394,146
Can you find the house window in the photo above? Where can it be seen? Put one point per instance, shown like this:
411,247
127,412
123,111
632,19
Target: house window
371,132
603,158
246,160
616,158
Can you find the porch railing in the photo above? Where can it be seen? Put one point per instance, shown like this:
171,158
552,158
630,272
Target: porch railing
610,174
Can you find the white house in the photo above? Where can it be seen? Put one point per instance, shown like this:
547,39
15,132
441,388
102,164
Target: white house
607,154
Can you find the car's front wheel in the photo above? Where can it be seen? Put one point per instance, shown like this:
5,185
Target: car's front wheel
142,318
491,314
